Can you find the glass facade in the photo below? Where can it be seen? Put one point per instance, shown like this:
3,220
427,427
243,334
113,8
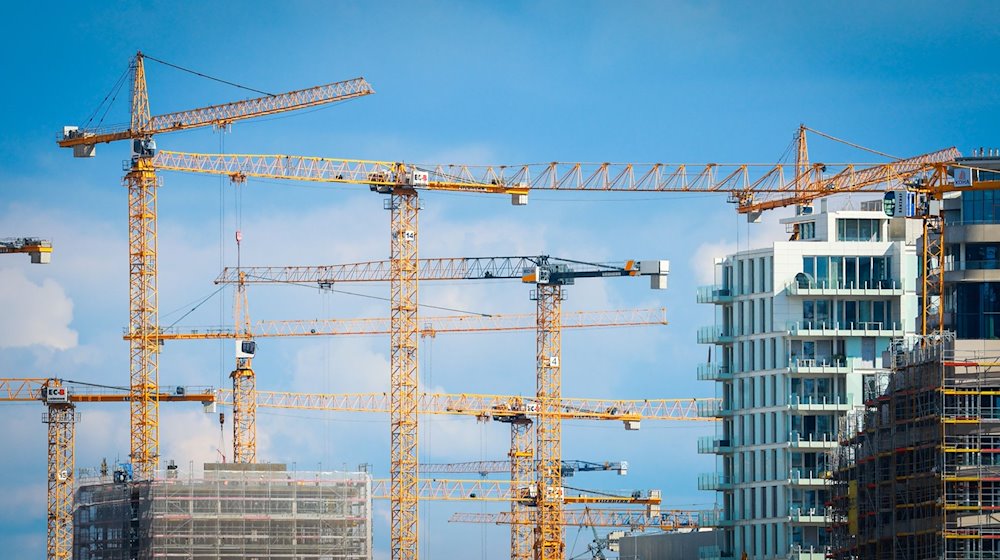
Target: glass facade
981,207
978,305
848,272
859,229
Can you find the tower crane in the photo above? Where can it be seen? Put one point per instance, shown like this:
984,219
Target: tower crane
142,191
549,275
60,398
429,326
40,250
666,520
401,183
244,379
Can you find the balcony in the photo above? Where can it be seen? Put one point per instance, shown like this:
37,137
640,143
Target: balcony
714,481
820,403
713,445
843,328
714,518
809,287
714,372
714,294
805,366
811,442
809,516
803,478
713,409
715,335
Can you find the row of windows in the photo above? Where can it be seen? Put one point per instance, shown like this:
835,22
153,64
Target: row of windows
859,229
847,314
978,256
981,207
752,316
977,309
758,355
847,272
749,276
748,538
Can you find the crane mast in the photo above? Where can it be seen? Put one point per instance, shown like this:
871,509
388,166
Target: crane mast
549,541
403,377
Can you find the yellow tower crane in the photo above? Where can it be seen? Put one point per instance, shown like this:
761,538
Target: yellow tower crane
402,181
549,275
61,397
244,378
142,219
663,520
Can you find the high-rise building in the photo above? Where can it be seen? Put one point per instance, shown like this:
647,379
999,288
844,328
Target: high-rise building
800,328
972,254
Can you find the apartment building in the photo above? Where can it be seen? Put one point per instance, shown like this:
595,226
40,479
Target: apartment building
800,327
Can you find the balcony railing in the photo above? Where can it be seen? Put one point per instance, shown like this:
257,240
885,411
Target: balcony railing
812,515
714,481
820,402
808,552
714,294
844,328
820,365
809,287
714,518
808,477
713,409
715,334
714,445
823,440
714,372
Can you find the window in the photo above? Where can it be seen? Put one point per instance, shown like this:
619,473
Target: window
859,229
980,207
979,256
849,271
807,230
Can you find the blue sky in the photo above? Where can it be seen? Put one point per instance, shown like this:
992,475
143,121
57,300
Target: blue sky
456,83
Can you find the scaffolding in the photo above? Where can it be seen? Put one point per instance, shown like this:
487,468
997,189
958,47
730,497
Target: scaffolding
917,474
235,511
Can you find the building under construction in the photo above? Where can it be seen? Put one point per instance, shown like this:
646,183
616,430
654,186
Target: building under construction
918,469
235,511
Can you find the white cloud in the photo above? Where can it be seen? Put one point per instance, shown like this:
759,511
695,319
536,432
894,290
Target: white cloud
34,314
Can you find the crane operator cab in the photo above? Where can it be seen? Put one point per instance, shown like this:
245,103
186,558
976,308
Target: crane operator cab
143,148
